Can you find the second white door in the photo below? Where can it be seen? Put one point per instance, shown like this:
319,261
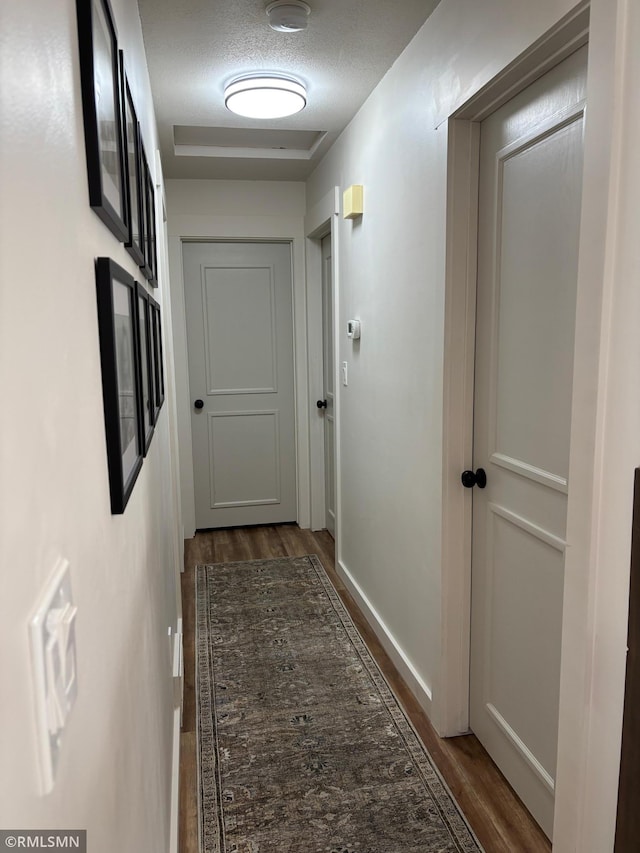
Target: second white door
238,302
529,223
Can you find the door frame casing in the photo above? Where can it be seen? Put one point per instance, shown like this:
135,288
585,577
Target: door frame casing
451,698
320,221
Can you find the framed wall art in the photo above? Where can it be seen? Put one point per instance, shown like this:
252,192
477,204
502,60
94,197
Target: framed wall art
156,337
146,367
133,170
155,402
153,252
102,112
121,393
149,268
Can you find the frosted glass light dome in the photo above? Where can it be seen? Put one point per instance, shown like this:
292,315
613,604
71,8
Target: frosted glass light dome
265,96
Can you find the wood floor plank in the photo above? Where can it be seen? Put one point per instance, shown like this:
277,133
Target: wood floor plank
188,648
267,542
220,544
188,794
497,816
193,550
325,547
291,538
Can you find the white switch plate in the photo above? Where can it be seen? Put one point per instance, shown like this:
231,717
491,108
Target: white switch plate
53,661
345,377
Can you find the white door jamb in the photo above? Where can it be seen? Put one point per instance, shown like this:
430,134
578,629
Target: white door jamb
320,221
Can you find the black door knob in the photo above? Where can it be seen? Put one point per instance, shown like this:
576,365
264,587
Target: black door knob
474,478
199,404
321,404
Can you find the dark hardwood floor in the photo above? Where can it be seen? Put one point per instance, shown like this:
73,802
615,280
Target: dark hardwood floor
497,816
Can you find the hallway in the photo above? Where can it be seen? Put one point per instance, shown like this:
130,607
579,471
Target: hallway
97,514
494,812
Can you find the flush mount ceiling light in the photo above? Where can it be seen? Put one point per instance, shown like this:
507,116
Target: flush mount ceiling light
265,96
288,16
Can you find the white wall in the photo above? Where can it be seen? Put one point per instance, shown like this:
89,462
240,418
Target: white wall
251,210
115,770
392,276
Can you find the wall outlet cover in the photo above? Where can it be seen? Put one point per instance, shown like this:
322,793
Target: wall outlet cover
53,663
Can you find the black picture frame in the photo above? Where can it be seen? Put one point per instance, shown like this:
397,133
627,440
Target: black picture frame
146,369
152,242
119,348
150,266
156,337
102,113
145,269
153,359
134,242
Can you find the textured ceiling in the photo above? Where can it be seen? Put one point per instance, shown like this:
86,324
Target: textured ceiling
195,46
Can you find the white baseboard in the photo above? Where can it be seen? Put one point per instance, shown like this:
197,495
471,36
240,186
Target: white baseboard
414,681
175,784
178,686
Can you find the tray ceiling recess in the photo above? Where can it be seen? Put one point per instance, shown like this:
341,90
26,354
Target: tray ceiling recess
246,142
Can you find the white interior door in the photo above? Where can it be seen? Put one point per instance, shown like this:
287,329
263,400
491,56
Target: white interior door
329,391
529,220
240,345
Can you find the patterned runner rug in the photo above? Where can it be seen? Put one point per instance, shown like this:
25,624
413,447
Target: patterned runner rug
302,746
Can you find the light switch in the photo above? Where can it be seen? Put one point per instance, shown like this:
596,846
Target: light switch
345,377
53,655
